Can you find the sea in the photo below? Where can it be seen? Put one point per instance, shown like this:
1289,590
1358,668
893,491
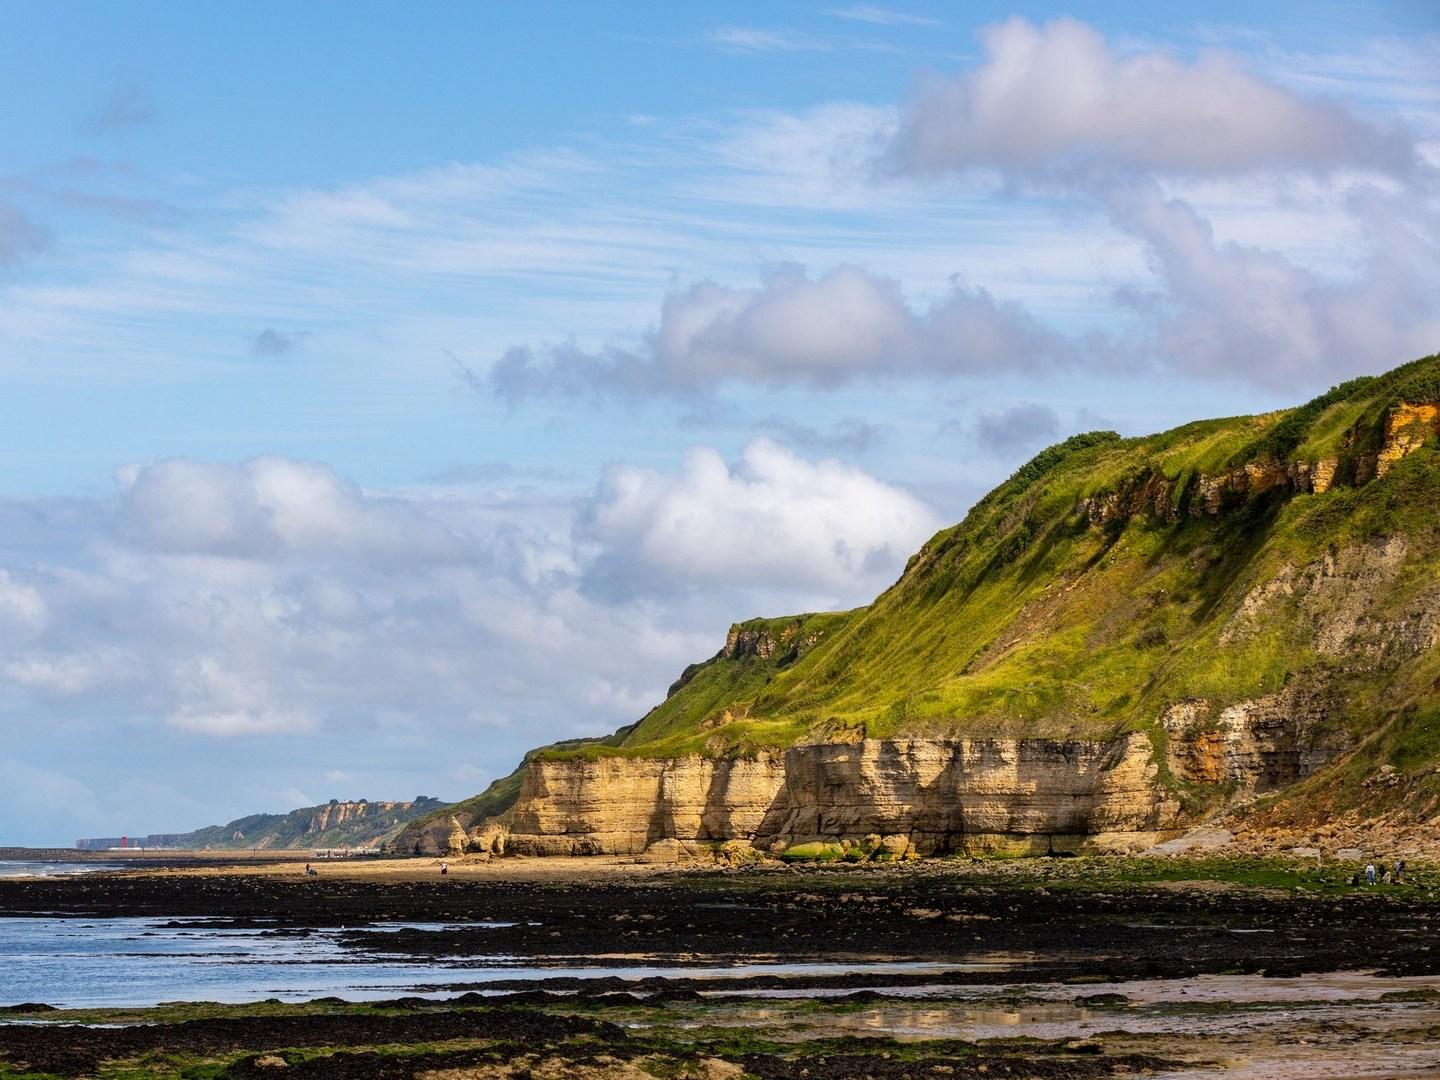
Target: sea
13,868
139,961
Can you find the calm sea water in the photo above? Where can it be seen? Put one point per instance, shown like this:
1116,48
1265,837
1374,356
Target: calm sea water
144,961
35,868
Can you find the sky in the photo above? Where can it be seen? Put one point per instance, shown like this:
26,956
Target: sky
386,390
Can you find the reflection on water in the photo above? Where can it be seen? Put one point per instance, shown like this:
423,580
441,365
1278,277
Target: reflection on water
141,961
1245,1027
138,961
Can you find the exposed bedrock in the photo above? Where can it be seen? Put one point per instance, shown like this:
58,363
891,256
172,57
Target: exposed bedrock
919,795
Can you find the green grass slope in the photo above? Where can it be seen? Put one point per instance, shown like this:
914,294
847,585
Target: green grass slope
499,797
1094,588
330,825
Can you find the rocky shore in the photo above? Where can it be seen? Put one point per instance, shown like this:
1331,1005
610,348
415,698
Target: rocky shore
1056,968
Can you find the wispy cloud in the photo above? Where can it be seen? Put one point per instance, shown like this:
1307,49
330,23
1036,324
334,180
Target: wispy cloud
754,39
880,16
389,269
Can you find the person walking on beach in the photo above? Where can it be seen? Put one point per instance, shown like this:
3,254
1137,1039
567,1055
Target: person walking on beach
1399,871
1370,873
444,868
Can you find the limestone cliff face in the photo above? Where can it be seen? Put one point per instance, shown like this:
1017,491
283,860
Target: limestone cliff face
1254,746
942,794
1406,428
1178,623
947,794
623,805
335,814
358,823
933,794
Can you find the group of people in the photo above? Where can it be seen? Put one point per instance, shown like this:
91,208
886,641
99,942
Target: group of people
1373,873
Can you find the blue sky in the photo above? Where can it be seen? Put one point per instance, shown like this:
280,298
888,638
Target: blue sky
387,392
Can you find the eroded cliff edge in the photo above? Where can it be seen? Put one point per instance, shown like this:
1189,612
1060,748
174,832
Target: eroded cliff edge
914,796
1125,637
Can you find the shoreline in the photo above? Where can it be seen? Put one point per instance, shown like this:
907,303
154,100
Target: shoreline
1073,969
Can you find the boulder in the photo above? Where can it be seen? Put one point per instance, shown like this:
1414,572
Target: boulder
739,852
488,839
895,845
668,850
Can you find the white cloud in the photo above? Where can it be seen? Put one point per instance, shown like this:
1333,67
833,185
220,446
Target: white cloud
753,39
22,610
269,506
880,16
1058,96
218,696
771,520
270,599
1234,310
794,330
71,673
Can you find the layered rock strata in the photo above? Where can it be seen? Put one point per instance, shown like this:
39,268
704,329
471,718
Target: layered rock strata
1407,427
921,796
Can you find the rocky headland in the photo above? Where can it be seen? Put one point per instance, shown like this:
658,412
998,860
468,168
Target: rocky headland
1233,620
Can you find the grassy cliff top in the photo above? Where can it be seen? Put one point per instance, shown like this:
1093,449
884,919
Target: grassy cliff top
1099,584
334,824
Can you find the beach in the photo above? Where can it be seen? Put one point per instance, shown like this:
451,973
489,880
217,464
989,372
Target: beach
1029,967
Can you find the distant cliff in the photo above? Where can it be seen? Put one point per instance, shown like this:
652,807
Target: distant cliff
334,824
1127,636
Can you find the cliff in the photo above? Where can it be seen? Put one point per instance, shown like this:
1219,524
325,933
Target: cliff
334,824
1127,636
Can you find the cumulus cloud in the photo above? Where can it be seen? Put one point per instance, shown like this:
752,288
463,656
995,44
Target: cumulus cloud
215,696
770,519
1057,96
1236,310
794,330
268,507
271,599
